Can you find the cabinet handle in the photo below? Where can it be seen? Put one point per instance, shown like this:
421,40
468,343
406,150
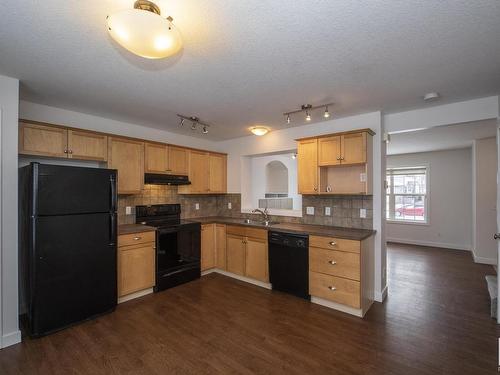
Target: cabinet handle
338,158
168,170
342,158
332,288
65,151
332,262
315,189
137,238
70,151
332,243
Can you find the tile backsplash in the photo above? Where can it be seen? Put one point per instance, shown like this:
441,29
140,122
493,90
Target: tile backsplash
344,210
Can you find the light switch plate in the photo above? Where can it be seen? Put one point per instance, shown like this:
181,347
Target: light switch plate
128,210
362,213
328,211
229,206
310,210
196,206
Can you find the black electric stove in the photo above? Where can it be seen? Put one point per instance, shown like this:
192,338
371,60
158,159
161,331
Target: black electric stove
177,244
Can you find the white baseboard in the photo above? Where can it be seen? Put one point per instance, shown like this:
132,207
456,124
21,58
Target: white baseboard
10,339
483,260
138,294
337,306
238,277
443,245
381,296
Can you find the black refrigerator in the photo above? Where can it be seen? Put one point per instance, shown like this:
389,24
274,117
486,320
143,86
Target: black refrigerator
67,245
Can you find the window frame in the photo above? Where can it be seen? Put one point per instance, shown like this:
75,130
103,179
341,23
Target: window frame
427,195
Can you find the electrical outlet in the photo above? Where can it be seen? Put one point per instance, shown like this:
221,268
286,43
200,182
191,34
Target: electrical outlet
128,210
196,206
309,210
362,213
328,211
362,177
229,206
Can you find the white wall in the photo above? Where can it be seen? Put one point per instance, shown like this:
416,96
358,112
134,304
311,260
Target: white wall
449,200
43,113
484,196
258,172
239,167
9,102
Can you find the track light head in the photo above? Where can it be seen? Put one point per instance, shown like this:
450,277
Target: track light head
308,116
288,119
182,122
193,126
326,114
205,130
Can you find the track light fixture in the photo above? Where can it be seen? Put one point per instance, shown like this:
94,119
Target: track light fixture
308,109
195,123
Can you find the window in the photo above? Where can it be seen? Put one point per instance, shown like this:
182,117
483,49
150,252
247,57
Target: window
406,194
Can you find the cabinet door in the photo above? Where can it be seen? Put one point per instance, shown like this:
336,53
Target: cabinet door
329,151
353,148
136,268
220,245
178,160
256,266
217,174
42,140
127,156
307,166
87,145
207,246
155,157
198,172
235,254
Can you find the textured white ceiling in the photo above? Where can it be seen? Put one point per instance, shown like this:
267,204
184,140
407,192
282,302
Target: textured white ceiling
246,62
441,137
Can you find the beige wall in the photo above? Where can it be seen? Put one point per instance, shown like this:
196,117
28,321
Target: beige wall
484,195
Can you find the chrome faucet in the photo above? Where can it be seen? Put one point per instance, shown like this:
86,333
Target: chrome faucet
265,214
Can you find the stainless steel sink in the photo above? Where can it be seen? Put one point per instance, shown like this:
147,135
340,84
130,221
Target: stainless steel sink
256,222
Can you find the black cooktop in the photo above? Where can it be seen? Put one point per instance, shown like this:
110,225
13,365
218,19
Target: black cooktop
160,215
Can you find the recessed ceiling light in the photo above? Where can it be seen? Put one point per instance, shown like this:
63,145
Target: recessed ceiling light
430,96
259,130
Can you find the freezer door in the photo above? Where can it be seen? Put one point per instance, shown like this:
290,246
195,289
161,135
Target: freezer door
62,190
74,273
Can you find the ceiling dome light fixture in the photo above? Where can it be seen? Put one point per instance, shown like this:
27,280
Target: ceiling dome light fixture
259,130
144,32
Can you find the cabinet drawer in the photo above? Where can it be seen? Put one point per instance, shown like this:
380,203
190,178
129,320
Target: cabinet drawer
333,243
335,263
136,238
335,289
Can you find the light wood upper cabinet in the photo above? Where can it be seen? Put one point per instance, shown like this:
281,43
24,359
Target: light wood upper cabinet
353,148
155,158
127,156
307,166
235,254
329,150
217,173
208,259
35,139
178,158
220,246
198,172
256,262
87,145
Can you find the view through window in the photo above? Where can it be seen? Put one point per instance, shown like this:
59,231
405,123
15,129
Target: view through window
407,194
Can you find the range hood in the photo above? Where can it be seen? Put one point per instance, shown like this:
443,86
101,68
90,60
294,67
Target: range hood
165,179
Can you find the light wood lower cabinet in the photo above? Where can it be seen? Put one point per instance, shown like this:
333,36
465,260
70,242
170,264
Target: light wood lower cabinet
341,271
256,266
208,259
247,252
220,246
235,254
136,262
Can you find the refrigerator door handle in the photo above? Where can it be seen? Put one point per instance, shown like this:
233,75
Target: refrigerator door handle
112,182
112,229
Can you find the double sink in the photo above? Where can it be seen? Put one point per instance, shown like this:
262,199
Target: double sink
265,223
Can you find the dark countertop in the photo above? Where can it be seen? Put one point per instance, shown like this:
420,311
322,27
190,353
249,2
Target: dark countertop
134,228
317,230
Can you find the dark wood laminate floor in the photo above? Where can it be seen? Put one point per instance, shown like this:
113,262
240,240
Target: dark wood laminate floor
435,321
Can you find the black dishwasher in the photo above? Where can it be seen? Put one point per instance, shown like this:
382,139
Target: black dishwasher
289,263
